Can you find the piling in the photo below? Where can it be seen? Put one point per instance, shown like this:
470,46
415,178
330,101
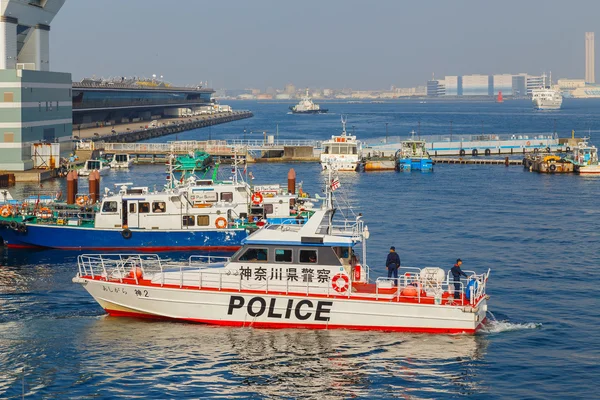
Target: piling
71,187
92,185
292,181
506,161
97,186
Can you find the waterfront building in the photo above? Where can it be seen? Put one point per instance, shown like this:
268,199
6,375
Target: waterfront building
290,89
35,104
519,85
502,83
476,85
102,102
570,84
453,85
436,88
590,66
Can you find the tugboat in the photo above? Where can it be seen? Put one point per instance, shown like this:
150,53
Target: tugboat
341,152
306,106
413,156
288,276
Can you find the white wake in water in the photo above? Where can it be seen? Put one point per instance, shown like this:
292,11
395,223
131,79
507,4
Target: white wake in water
493,325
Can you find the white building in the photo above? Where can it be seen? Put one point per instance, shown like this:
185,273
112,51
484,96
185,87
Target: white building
475,85
503,83
453,85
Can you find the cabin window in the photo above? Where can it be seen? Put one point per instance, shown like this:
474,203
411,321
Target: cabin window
188,220
354,150
268,209
159,207
227,196
144,208
308,256
343,149
109,206
282,255
132,208
203,220
326,151
254,255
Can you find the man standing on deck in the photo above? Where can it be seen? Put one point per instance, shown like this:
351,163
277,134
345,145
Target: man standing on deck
456,273
393,263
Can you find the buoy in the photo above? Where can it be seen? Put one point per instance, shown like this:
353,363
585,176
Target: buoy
6,211
409,291
82,200
136,272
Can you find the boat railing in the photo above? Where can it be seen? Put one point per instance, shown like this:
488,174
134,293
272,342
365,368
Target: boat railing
119,266
350,228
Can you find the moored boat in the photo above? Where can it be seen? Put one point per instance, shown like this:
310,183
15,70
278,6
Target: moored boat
585,159
102,166
413,156
546,99
121,160
341,152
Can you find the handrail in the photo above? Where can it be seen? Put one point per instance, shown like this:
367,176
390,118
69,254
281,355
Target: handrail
111,267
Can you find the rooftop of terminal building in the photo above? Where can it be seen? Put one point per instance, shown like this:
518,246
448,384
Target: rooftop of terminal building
135,83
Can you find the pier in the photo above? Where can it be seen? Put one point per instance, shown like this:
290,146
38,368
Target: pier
134,132
481,161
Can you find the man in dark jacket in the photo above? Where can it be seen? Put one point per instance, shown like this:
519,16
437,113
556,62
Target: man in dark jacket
456,273
393,263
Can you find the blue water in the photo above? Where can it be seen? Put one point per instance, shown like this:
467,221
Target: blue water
539,234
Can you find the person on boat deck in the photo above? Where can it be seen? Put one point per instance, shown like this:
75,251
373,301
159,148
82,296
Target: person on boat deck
456,273
392,264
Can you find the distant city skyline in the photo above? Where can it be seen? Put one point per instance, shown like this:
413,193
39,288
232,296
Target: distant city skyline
334,44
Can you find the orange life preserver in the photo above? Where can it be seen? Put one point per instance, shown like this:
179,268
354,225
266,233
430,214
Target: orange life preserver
528,143
357,271
257,198
221,223
82,200
6,211
340,283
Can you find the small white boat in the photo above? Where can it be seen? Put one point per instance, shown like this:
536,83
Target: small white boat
546,99
121,160
585,159
287,276
101,166
306,106
341,152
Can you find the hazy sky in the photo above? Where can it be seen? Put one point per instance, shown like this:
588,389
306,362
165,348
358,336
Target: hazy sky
320,43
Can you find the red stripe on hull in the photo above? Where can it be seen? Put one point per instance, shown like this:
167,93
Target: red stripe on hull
276,325
141,249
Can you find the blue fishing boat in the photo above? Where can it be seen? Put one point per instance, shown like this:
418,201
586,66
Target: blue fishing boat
193,214
413,156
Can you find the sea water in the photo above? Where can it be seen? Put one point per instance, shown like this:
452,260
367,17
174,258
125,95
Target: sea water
539,234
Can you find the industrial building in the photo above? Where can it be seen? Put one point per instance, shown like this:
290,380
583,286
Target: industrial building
476,85
590,65
486,85
35,104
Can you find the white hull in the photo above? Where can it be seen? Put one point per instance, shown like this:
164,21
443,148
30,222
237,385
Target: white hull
86,172
121,165
589,170
263,310
343,166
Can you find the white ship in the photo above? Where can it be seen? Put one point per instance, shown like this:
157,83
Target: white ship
341,152
546,99
306,106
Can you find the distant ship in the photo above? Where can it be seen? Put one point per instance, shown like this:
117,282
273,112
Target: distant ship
546,99
306,106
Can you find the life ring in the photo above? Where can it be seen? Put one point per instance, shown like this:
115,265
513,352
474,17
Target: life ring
552,167
221,223
6,211
474,152
126,233
44,213
257,198
462,152
568,149
528,143
340,283
13,225
547,149
199,163
82,200
488,152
